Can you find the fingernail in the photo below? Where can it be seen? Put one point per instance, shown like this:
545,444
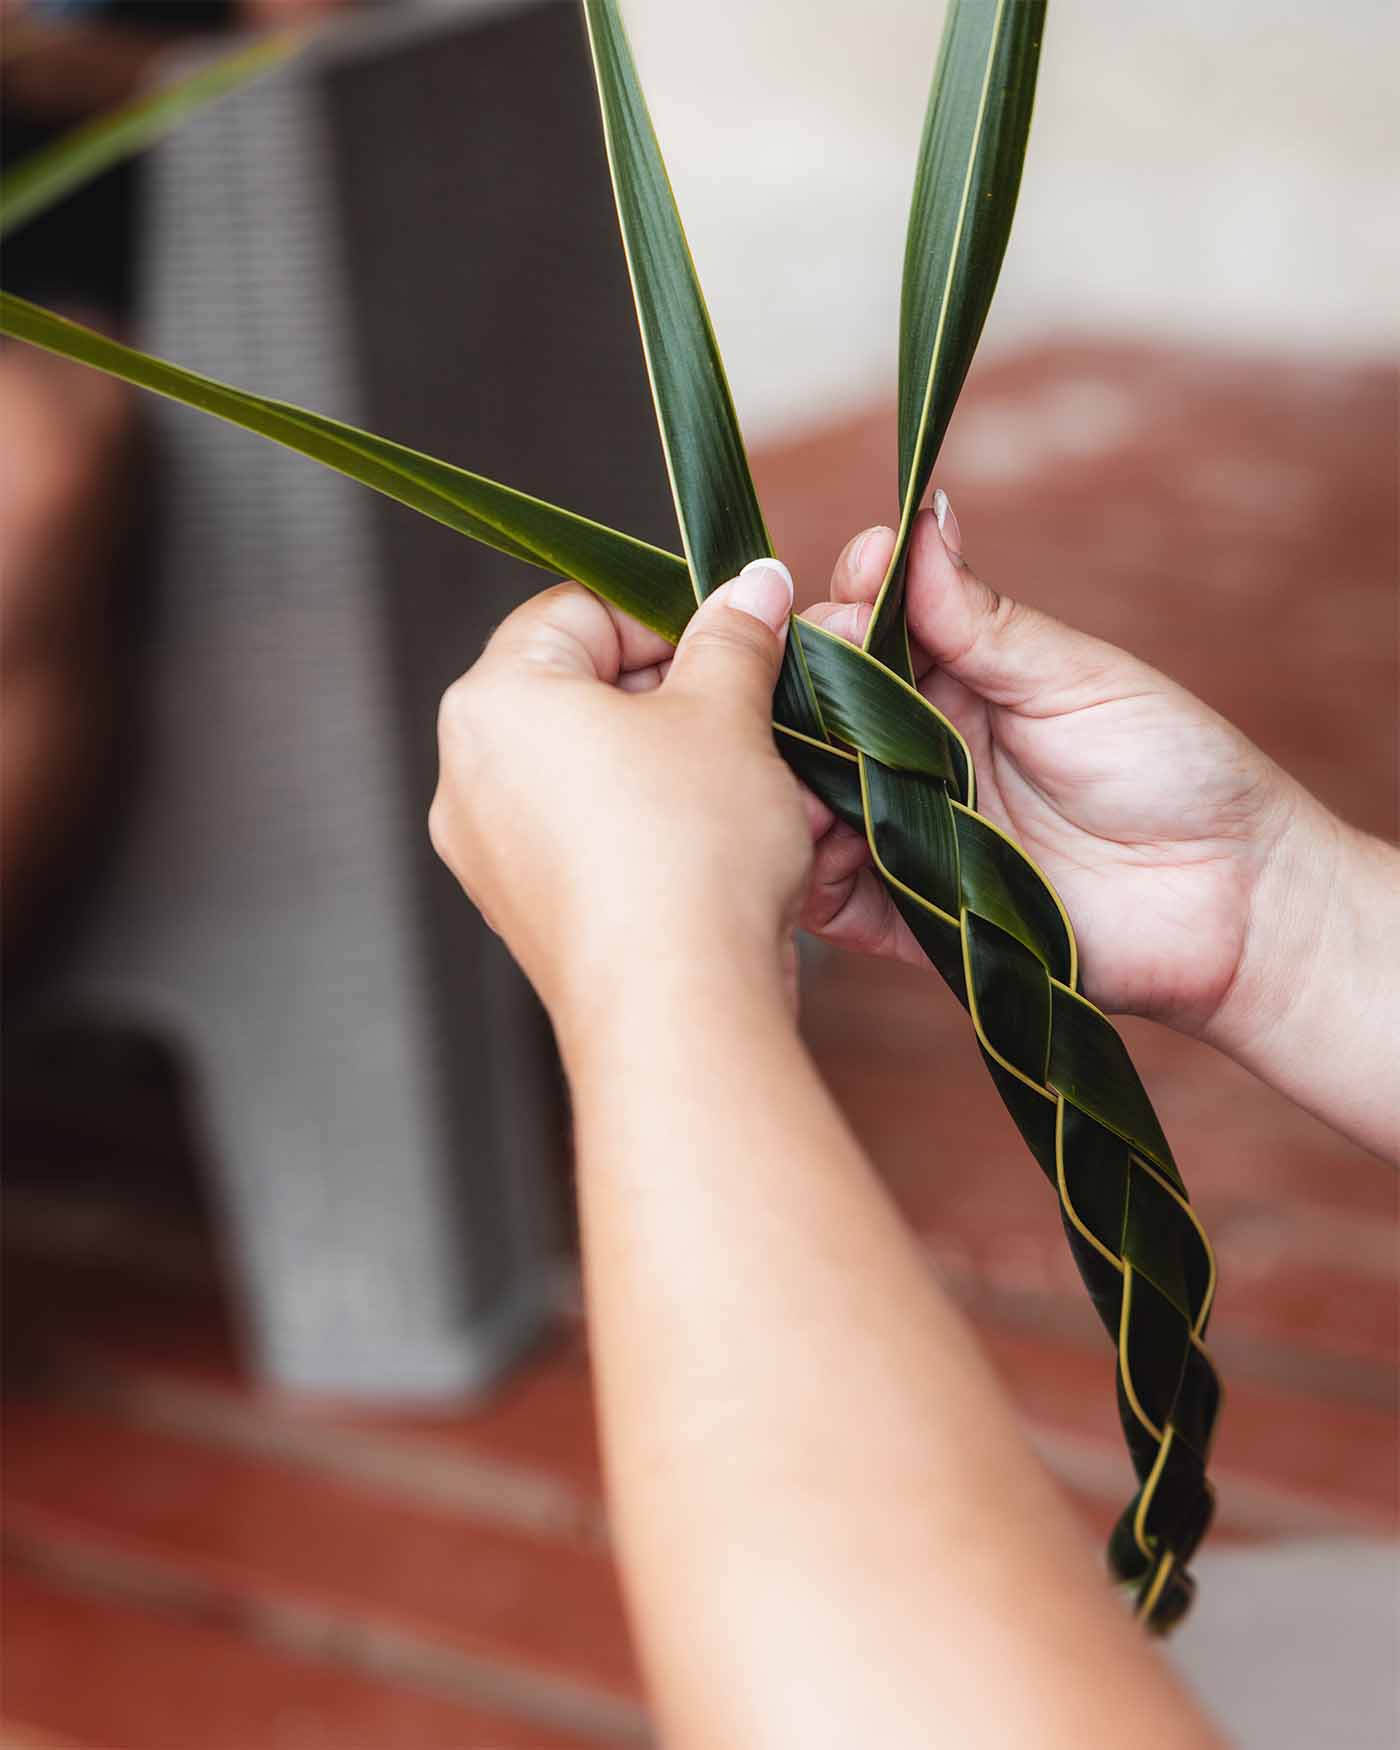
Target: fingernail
764,589
862,546
947,522
845,623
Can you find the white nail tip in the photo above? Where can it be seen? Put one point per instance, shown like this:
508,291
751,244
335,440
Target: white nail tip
940,508
769,565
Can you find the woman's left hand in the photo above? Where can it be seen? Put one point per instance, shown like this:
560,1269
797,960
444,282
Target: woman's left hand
606,800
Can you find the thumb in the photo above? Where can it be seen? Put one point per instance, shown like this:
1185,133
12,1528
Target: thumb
733,647
1008,653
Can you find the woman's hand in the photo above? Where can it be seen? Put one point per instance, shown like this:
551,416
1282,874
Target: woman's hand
608,807
1208,889
1153,817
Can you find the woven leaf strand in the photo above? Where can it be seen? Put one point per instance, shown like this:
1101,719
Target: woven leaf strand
993,926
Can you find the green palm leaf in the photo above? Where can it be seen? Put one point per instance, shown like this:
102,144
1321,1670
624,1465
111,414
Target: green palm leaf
965,188
650,585
721,525
47,176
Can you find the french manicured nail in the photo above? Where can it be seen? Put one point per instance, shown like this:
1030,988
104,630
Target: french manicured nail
764,589
947,522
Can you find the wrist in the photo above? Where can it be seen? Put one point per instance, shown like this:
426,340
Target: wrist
1314,1011
614,997
1296,923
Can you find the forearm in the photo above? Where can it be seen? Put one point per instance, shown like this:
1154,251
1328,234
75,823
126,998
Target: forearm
831,1528
1315,1007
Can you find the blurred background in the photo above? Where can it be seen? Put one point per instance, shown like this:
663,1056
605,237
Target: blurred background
298,1442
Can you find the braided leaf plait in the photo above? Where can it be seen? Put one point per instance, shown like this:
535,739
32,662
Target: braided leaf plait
995,929
852,725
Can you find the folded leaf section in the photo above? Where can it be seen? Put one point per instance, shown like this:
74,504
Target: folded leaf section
999,885
865,706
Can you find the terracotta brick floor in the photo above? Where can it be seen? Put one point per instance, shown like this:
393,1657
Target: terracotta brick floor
189,1561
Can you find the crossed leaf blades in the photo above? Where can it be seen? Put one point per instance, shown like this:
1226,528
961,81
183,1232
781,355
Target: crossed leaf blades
849,721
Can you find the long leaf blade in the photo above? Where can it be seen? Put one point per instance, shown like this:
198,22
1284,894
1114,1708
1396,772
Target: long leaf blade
965,189
722,527
49,175
652,586
721,524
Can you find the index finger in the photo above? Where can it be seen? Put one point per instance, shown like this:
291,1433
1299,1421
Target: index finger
861,568
570,629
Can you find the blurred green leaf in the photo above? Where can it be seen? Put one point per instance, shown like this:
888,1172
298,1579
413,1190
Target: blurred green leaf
45,178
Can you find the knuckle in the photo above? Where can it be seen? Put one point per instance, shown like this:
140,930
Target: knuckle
559,606
439,830
1007,618
464,732
553,606
457,711
736,635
